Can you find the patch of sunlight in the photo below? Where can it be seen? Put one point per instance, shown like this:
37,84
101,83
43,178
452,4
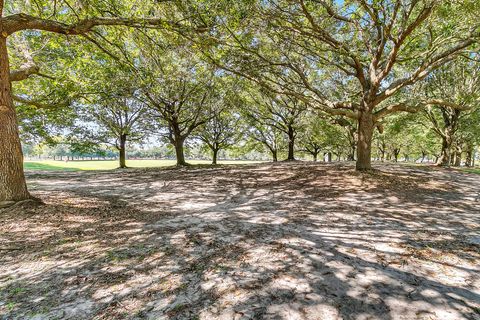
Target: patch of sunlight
276,220
58,165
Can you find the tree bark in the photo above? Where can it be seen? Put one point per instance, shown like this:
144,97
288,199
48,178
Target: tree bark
12,179
214,156
395,153
444,159
315,157
274,155
469,156
179,152
122,151
364,143
450,119
458,158
291,144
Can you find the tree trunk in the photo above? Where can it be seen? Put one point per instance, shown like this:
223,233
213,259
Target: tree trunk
214,156
444,159
12,179
122,151
291,143
468,156
458,158
274,155
179,152
395,153
451,123
315,156
364,143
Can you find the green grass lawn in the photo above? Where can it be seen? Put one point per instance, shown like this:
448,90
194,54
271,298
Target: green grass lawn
52,165
472,170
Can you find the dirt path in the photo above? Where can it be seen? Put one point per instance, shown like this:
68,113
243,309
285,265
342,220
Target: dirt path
284,241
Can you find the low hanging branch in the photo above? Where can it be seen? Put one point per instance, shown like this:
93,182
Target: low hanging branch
21,21
28,68
382,113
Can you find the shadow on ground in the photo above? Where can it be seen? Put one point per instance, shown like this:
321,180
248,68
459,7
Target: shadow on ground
283,241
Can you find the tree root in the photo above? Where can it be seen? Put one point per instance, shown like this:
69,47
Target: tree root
14,204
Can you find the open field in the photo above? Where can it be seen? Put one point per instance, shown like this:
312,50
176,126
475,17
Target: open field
267,241
55,165
52,165
473,170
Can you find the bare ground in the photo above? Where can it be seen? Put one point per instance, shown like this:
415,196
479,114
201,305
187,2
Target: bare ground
285,241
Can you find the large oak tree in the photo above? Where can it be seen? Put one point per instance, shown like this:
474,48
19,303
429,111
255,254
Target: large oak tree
460,83
181,92
313,50
75,18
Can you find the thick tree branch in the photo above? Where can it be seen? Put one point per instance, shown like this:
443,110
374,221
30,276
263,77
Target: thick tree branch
24,72
382,113
424,14
21,21
423,70
331,11
39,104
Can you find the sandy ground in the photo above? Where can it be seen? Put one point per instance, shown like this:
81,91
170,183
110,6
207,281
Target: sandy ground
269,241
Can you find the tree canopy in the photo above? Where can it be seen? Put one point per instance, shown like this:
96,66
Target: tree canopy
358,79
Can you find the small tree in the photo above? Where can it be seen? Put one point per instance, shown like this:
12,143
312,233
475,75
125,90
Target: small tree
311,137
180,97
118,118
283,113
460,83
469,135
268,136
220,132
